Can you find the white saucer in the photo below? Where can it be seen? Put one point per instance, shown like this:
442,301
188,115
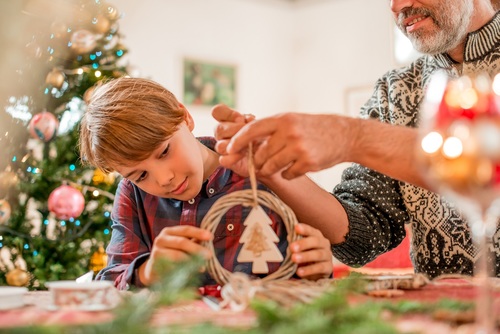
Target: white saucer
12,307
12,297
85,308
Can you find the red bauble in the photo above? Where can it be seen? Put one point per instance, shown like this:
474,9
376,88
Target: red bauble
43,126
66,202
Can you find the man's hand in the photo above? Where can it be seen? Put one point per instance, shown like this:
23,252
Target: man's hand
290,143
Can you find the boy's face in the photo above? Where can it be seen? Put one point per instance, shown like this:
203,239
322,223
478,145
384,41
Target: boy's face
174,170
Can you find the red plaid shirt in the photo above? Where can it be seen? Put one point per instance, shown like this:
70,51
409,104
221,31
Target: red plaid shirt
138,218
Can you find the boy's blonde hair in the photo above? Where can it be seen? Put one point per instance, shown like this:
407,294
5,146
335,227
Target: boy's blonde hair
125,121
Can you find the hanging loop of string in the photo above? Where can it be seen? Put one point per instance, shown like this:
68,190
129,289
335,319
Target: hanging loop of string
251,166
251,172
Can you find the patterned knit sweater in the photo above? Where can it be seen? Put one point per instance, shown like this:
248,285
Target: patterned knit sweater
378,207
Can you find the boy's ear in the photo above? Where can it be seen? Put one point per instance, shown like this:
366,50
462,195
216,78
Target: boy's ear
187,118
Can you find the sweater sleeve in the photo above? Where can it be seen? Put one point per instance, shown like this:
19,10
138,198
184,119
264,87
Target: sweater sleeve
372,201
376,215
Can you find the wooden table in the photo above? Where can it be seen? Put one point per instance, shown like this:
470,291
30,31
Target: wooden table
36,312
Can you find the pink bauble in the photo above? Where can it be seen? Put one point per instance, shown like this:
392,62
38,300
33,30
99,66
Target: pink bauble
66,202
43,126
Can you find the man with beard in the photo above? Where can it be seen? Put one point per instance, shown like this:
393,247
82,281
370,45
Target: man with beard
383,190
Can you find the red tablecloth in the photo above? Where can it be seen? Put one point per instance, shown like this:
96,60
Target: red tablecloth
37,312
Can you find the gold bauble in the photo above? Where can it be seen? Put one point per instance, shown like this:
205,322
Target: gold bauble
17,277
55,78
112,13
98,260
100,24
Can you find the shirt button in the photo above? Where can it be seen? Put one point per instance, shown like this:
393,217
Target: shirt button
211,191
230,227
191,201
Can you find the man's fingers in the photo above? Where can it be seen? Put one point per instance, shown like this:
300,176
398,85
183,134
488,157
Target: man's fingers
252,131
298,168
266,150
223,113
229,161
281,160
221,146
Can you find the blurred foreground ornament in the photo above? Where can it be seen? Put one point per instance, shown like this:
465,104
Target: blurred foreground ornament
66,202
82,41
17,277
33,49
8,183
55,78
59,29
459,155
5,211
43,126
98,260
462,149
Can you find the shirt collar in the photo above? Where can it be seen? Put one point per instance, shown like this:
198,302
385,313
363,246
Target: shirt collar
219,178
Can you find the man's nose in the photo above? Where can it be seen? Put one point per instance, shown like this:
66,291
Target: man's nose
398,5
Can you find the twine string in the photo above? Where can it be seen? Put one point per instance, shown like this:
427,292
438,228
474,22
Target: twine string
253,178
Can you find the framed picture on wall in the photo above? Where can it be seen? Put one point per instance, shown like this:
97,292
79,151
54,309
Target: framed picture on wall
208,83
355,98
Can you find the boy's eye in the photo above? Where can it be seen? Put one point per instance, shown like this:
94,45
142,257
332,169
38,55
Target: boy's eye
164,153
141,177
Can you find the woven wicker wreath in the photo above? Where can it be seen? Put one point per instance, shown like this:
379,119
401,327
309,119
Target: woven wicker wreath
246,198
250,197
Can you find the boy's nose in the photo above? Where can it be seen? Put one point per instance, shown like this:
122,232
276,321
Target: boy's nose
164,178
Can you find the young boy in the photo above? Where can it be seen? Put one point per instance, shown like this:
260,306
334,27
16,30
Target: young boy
170,180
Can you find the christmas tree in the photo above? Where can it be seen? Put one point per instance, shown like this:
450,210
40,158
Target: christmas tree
54,210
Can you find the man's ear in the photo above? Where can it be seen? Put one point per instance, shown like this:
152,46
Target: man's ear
187,117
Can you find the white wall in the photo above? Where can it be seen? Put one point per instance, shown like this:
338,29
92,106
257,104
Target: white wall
290,57
340,45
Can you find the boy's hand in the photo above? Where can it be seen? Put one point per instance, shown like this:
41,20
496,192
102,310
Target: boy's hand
175,243
312,253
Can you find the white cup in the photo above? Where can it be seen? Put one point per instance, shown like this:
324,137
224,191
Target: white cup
88,296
